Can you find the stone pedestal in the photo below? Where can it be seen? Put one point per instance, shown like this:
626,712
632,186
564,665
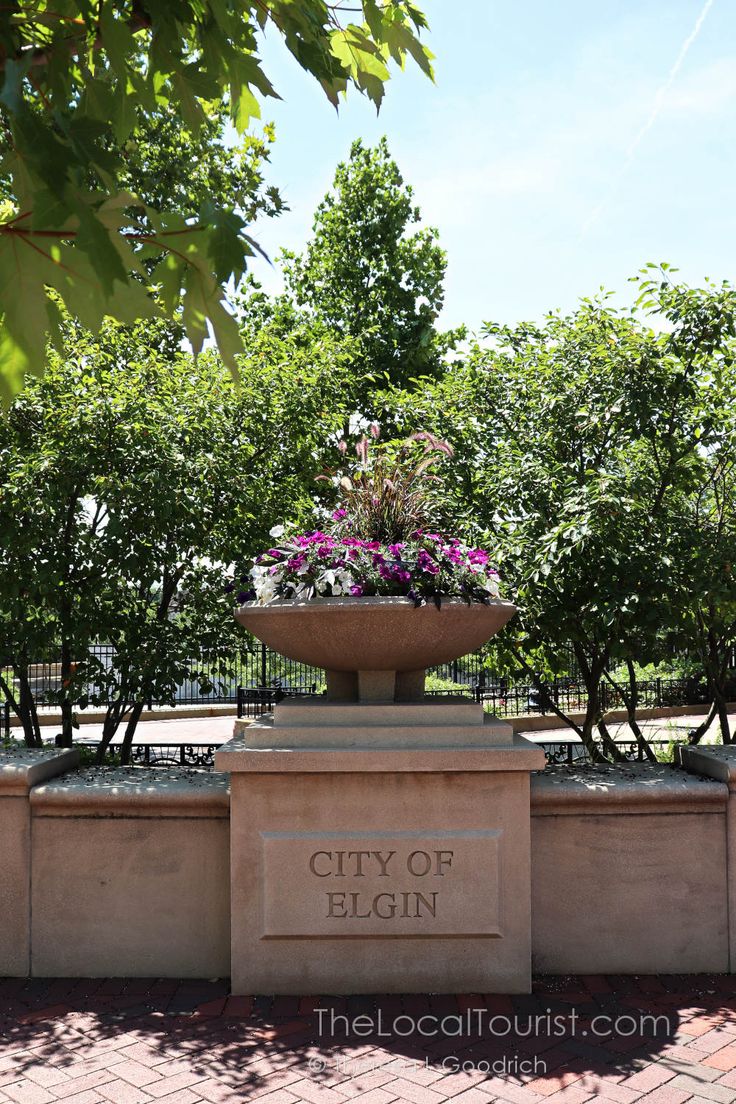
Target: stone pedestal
380,847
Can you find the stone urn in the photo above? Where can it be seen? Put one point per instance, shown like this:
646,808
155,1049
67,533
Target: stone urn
374,649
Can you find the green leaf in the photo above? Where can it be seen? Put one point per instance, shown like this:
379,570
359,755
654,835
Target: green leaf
117,39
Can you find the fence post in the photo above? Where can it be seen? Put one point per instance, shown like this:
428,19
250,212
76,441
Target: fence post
455,671
264,665
659,692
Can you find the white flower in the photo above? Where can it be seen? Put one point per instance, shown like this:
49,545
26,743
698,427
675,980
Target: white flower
277,531
491,587
265,590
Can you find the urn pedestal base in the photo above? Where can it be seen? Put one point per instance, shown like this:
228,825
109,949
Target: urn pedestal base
393,860
367,686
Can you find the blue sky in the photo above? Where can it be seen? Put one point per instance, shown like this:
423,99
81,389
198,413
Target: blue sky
562,147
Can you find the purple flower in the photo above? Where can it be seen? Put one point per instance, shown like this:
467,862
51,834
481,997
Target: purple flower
356,590
338,515
426,563
478,556
397,549
394,571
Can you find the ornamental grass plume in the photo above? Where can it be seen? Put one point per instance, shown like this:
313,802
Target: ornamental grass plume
391,493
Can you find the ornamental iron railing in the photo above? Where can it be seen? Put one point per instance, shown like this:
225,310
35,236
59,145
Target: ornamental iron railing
505,699
256,677
202,756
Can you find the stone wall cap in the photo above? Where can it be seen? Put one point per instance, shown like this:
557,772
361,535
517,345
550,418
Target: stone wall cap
518,755
715,761
135,792
624,787
22,767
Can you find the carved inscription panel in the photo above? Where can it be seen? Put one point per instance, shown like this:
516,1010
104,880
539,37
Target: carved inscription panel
374,884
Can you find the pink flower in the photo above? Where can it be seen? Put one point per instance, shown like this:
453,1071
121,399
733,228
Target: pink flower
427,564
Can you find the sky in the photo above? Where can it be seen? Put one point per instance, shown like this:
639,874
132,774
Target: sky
562,147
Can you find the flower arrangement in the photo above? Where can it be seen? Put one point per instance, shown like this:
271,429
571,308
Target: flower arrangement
377,541
426,568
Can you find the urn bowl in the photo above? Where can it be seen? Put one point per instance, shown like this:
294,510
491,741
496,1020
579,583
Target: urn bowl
373,635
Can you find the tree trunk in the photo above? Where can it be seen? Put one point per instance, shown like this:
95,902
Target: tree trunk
27,708
584,733
591,672
716,670
631,704
723,718
67,715
696,734
130,733
113,717
609,745
23,707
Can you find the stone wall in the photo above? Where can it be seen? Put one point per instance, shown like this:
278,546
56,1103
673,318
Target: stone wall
629,871
127,872
131,874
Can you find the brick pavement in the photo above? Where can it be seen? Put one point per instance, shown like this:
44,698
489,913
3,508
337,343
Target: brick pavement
187,1042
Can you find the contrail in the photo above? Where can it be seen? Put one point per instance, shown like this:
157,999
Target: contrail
650,121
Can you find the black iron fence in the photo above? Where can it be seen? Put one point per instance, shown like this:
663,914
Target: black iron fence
506,700
571,696
254,668
257,676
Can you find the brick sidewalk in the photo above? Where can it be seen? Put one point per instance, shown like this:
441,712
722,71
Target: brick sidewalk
130,1042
